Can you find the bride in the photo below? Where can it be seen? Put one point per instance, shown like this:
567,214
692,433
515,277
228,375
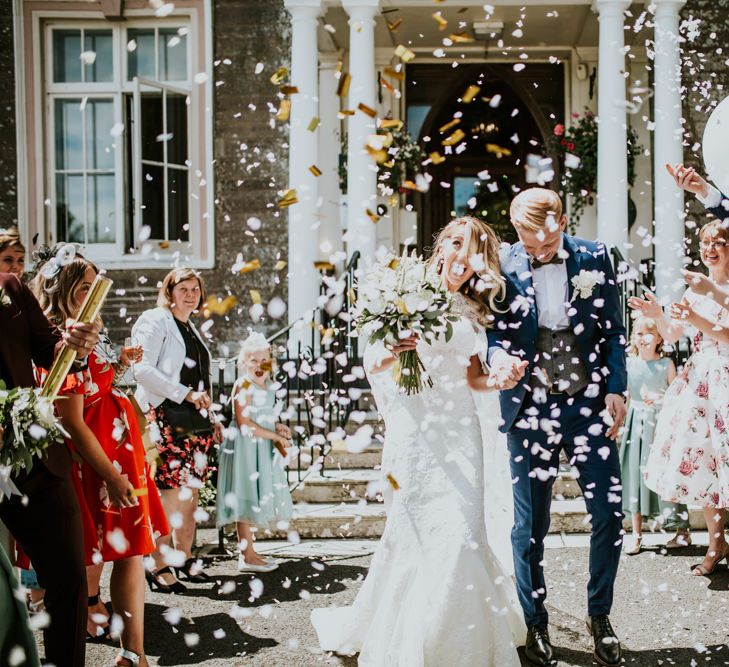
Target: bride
436,594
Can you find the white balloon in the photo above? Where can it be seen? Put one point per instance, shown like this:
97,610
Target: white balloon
716,146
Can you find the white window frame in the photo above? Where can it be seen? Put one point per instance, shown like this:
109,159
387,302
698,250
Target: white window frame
199,251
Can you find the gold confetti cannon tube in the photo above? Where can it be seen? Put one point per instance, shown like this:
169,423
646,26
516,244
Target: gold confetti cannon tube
90,309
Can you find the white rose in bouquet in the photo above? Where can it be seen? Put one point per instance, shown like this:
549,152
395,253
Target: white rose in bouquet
400,297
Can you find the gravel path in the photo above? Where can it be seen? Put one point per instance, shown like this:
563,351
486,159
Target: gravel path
663,615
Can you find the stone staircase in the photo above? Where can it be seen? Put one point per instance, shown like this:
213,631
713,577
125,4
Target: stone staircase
334,502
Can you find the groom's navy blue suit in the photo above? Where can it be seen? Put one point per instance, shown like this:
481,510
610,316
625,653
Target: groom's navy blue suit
540,423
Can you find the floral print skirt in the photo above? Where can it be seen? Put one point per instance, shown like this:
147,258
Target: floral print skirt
689,458
182,461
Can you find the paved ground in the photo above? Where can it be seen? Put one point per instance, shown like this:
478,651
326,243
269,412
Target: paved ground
663,615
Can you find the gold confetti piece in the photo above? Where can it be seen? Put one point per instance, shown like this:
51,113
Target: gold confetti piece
136,493
284,111
352,295
394,263
449,125
386,85
345,112
460,38
266,365
289,90
393,73
378,154
289,198
470,93
315,170
247,267
218,306
404,53
372,215
454,138
343,86
255,296
436,157
324,266
367,110
393,482
389,123
164,245
279,75
442,23
313,124
279,265
497,150
394,25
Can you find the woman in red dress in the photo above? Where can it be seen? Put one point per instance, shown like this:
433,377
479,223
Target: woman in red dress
122,511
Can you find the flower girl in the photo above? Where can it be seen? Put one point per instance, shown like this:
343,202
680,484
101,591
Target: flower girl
252,483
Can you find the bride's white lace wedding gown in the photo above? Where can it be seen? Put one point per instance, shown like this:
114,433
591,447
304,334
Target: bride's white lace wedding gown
435,593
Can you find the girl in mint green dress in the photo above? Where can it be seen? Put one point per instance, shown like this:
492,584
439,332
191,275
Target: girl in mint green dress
649,375
253,486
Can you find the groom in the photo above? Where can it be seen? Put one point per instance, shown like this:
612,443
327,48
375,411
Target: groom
562,315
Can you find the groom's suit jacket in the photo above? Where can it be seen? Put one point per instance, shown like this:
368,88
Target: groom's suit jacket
596,321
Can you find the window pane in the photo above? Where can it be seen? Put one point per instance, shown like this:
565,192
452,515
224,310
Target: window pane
176,129
153,213
152,127
177,222
141,59
99,41
70,208
66,55
99,122
69,134
172,55
101,209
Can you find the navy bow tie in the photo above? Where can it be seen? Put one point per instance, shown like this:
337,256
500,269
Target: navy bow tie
538,264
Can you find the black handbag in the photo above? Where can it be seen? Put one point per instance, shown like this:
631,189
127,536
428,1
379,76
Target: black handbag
186,420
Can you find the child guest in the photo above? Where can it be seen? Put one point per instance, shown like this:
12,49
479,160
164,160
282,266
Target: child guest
252,484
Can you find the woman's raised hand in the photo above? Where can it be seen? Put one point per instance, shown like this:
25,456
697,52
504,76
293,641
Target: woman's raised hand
647,306
405,344
687,179
131,354
699,283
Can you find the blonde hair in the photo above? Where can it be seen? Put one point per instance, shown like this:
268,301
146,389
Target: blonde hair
256,342
175,277
716,228
648,323
487,286
532,208
10,238
55,291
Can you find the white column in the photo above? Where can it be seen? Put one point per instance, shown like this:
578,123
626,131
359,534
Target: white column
330,231
303,281
668,148
612,157
362,174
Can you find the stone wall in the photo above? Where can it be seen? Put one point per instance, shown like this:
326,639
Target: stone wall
8,140
250,153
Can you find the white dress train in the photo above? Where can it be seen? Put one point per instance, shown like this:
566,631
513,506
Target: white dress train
435,593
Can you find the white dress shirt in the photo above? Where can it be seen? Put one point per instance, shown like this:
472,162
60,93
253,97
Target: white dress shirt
712,199
551,291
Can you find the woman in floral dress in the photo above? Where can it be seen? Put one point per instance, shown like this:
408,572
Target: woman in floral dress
689,459
120,505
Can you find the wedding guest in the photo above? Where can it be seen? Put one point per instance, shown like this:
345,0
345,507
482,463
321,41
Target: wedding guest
253,486
688,460
174,384
120,505
12,252
688,179
46,520
650,373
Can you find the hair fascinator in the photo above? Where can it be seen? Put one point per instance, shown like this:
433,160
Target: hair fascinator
48,261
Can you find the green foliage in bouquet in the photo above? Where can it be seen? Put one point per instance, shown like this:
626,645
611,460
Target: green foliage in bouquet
399,297
29,427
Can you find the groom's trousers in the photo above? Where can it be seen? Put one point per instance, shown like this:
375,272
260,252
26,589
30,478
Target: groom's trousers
539,434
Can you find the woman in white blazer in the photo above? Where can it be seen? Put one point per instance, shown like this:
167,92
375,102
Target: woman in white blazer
174,386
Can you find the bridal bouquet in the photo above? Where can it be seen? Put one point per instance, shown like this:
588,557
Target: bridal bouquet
399,297
29,426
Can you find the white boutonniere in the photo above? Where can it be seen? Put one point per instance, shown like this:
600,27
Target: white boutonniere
584,283
4,298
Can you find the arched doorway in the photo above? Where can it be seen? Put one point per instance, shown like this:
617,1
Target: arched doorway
507,124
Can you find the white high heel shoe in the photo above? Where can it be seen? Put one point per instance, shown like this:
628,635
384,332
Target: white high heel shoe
249,567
